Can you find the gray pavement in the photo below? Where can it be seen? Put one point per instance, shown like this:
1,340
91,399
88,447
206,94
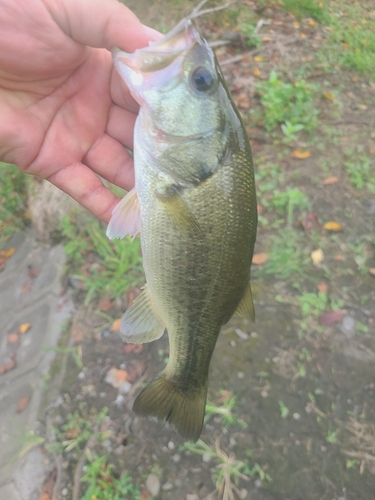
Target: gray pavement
30,292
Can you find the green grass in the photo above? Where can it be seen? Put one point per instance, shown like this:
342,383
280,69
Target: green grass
103,485
287,256
13,200
313,304
291,104
307,8
116,265
361,172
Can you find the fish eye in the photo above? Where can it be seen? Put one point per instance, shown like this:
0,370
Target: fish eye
202,79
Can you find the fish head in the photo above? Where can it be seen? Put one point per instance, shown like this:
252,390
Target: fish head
177,83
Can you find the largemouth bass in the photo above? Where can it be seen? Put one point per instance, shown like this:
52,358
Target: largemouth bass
194,205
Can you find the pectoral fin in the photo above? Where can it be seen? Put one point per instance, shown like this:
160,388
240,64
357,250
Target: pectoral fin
140,323
246,306
178,210
125,217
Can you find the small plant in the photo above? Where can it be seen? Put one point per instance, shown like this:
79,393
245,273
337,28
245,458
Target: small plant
313,304
331,437
361,173
286,202
118,263
13,200
103,485
290,103
284,411
287,256
248,31
225,411
307,8
290,131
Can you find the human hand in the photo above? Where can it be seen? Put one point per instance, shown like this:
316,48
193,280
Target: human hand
65,115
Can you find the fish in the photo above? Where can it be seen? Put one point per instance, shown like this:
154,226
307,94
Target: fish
194,206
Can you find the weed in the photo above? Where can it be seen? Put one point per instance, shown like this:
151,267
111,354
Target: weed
284,411
351,40
12,200
118,266
103,485
287,201
290,131
361,173
75,351
225,411
313,304
252,37
290,103
287,256
79,427
331,437
307,8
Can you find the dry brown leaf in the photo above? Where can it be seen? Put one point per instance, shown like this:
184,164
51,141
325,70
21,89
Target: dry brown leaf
332,226
106,304
260,258
24,327
256,72
260,209
317,256
116,377
8,253
23,403
372,271
330,318
300,155
44,496
339,257
116,325
76,336
258,58
309,221
8,366
372,151
322,287
72,433
12,338
330,180
328,95
135,348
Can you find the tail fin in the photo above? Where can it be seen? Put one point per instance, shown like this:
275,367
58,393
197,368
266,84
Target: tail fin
162,399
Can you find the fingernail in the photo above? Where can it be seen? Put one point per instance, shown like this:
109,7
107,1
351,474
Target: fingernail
153,34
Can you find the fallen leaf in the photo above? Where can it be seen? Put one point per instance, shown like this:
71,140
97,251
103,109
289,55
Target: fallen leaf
317,256
322,287
256,72
24,327
332,226
260,209
330,180
339,257
303,35
8,366
44,496
115,377
23,403
260,258
372,271
72,433
309,221
106,304
258,58
328,95
296,24
76,336
26,287
12,338
330,318
300,155
8,253
136,348
116,325
372,151
311,22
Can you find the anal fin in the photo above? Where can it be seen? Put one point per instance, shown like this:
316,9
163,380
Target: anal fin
140,323
246,306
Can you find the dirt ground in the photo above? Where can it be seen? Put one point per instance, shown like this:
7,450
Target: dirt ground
305,382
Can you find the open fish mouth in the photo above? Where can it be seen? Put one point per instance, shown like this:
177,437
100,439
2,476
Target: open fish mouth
160,54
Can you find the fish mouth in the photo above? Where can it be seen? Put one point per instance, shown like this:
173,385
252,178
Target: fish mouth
160,54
